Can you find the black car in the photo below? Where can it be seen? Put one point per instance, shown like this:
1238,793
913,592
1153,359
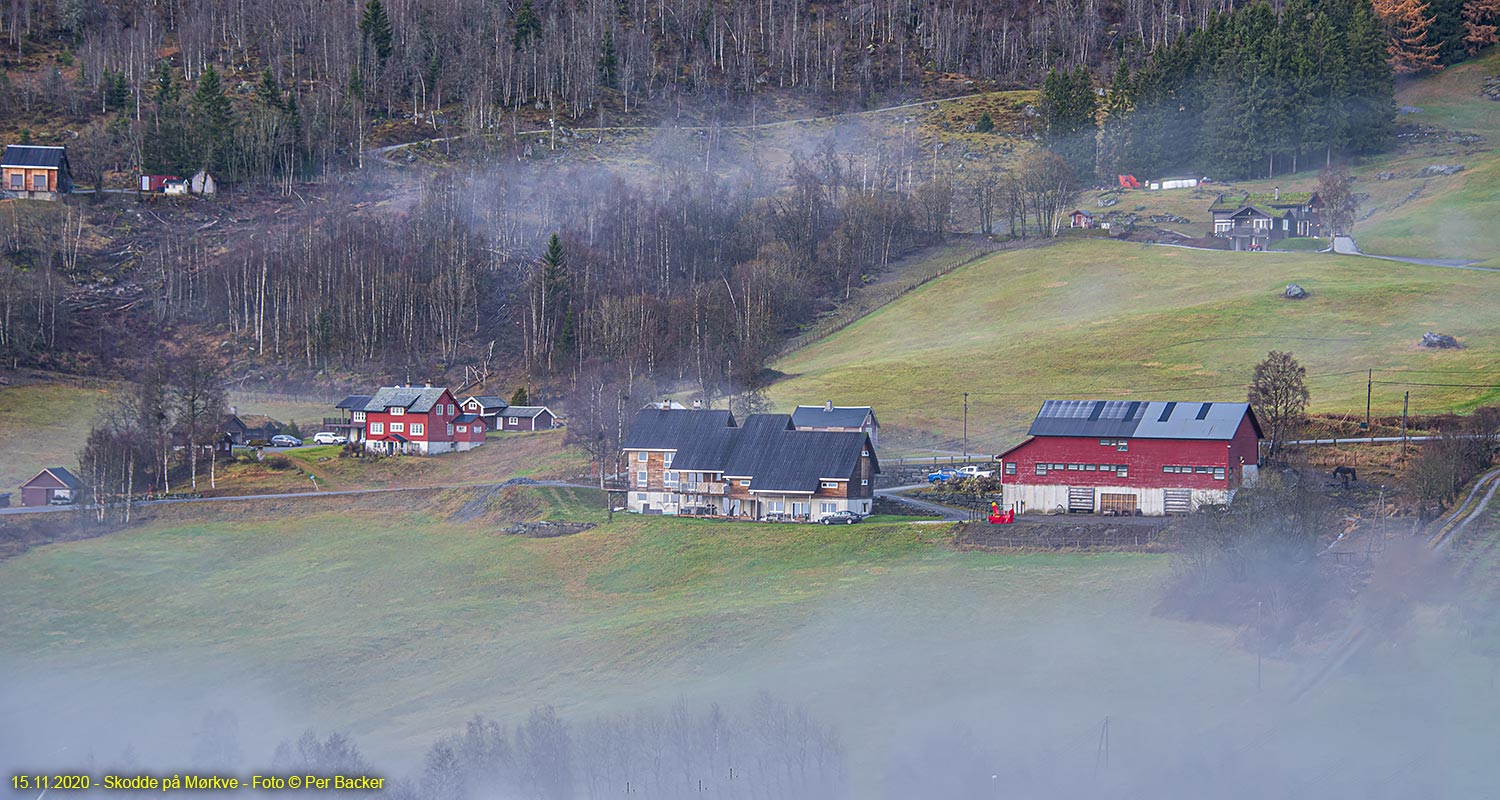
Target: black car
841,518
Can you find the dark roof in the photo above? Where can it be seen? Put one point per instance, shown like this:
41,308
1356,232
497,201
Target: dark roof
526,411
26,155
821,417
671,429
61,474
1234,201
1138,419
464,419
488,401
354,402
418,400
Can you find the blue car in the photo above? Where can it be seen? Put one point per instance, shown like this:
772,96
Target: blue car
942,475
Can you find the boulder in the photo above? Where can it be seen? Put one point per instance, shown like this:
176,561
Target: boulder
1385,176
1439,169
1295,292
1408,110
1439,340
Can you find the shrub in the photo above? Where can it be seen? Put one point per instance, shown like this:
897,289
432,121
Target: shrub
279,463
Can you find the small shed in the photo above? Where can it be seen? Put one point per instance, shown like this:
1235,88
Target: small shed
1081,219
52,486
156,183
527,418
204,183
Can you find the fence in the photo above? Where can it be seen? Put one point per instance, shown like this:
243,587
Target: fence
1026,535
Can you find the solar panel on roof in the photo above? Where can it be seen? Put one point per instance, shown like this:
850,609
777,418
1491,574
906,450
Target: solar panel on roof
1098,409
1166,413
1135,405
1203,412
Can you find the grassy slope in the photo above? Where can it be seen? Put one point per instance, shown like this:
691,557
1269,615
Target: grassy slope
43,425
1092,318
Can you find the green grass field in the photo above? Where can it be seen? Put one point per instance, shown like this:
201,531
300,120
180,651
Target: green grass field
1108,319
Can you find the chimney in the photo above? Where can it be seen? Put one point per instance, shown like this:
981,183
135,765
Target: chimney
1278,194
234,411
828,405
697,404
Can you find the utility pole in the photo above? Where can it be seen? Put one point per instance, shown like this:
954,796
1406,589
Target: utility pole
1369,387
966,426
1405,404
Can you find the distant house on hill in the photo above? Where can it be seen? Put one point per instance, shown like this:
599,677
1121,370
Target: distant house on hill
424,420
829,417
698,461
487,407
36,172
246,429
52,486
1254,221
1080,219
526,418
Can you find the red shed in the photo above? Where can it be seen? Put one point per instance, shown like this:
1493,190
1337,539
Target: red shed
1081,219
1131,457
51,486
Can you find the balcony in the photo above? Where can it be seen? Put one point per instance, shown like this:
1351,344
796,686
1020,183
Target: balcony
702,488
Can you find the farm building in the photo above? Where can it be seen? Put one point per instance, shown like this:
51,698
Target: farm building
1173,183
35,172
245,429
418,420
829,417
526,418
52,486
1080,219
1254,221
488,408
1131,457
691,461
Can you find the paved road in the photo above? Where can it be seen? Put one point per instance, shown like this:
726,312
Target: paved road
948,513
1345,246
288,495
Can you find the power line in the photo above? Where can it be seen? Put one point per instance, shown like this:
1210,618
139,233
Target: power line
1495,385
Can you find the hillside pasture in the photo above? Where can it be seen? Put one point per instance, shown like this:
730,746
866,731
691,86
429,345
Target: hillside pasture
1089,318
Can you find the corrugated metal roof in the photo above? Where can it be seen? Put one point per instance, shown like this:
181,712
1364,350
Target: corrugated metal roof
35,156
488,401
672,429
821,417
526,411
354,402
1133,419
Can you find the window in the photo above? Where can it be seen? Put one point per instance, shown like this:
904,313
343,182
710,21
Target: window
864,452
744,483
1168,469
640,455
666,458
1075,467
1122,445
669,478
450,429
1121,471
358,416
17,182
776,505
397,411
1041,469
39,182
1201,470
1218,473
462,428
1010,468
515,420
640,478
398,427
377,428
640,496
864,482
828,508
417,429
1090,467
830,484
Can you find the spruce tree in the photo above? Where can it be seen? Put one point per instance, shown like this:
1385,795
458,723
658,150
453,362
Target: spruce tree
213,121
375,30
528,25
608,60
1069,107
268,92
520,397
1115,127
986,123
1370,85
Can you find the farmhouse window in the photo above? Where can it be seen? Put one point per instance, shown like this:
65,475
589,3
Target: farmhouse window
515,420
669,478
17,181
450,429
640,455
776,505
377,428
864,482
744,483
830,484
1075,467
640,495
462,428
397,411
828,508
1218,473
39,182
1010,468
398,427
1041,469
666,458
1090,467
417,429
1122,471
865,453
640,478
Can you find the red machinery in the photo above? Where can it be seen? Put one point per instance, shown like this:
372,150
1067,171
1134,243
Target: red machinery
997,518
1128,182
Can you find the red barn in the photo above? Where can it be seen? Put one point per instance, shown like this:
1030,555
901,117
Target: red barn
425,420
1131,457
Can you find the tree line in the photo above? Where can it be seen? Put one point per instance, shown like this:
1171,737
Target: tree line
1253,93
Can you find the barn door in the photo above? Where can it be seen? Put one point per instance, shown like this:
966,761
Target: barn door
1118,504
1179,501
1081,499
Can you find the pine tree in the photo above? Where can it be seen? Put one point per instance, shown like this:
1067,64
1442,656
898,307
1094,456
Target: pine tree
520,397
986,123
268,92
375,30
608,61
1480,17
116,90
1407,23
528,25
213,120
1069,108
1369,88
1115,127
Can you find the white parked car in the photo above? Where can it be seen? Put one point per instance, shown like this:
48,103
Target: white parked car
329,437
972,471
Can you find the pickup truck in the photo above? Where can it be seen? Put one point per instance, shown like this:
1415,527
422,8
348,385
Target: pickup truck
944,474
972,471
